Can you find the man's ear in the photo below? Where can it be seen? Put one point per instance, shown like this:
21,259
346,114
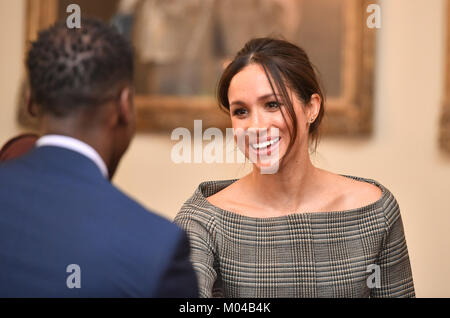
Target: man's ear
126,108
30,105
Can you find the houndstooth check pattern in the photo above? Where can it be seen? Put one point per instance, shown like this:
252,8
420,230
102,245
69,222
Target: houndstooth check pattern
321,254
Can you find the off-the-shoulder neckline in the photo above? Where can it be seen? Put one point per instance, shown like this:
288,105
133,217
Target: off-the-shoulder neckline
310,214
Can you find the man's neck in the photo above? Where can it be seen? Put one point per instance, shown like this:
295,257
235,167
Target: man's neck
76,145
94,137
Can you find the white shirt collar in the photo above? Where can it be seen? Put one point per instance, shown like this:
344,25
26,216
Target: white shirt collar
74,145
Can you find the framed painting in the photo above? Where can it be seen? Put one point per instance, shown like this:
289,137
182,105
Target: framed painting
182,46
444,130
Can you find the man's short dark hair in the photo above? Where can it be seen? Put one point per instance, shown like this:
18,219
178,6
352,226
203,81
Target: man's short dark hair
71,68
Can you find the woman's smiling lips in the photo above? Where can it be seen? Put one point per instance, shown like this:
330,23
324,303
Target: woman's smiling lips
265,147
265,144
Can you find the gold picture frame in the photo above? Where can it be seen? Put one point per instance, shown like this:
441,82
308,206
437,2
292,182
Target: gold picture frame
349,113
444,128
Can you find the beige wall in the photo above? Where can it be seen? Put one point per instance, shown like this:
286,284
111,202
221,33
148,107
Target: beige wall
12,30
402,153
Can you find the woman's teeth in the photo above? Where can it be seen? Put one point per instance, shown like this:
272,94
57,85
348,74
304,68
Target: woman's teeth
265,144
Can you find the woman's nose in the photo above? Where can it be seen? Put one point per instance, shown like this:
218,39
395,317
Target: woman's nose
255,120
258,125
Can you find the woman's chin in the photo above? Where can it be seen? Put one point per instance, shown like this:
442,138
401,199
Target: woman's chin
271,168
267,161
268,165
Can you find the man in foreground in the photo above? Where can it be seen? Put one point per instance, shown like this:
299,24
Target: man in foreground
65,230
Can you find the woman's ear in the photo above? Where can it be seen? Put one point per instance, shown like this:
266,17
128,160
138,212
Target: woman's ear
314,106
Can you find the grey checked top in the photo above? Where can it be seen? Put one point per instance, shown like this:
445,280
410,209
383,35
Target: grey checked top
353,253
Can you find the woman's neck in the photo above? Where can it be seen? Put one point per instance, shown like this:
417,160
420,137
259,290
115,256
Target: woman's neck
288,190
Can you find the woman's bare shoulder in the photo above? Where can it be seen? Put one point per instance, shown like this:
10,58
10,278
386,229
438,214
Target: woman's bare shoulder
225,196
356,193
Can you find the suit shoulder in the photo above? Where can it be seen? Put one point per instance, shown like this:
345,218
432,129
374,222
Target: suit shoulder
133,210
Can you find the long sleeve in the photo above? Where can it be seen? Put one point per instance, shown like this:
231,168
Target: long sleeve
394,265
199,230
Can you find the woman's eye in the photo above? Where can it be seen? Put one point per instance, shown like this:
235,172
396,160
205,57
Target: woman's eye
273,104
239,112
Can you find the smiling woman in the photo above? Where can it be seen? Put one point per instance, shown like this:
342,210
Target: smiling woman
300,231
268,73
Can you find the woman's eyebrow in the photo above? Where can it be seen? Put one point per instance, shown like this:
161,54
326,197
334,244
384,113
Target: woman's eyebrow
260,98
237,103
268,96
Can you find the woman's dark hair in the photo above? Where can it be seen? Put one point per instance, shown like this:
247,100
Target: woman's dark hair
287,64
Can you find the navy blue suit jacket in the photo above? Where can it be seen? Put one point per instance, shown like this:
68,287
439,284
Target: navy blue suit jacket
56,209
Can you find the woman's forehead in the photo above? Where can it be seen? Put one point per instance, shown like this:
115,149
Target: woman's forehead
252,83
251,80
